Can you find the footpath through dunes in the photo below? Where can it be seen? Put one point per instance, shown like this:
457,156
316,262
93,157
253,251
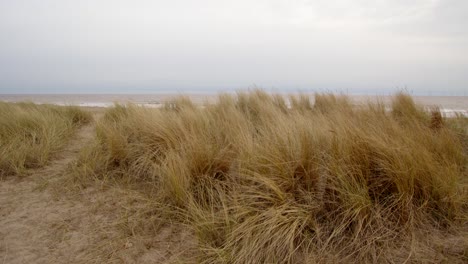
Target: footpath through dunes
41,223
33,222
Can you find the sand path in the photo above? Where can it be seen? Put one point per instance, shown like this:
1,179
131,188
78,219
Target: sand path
41,223
36,226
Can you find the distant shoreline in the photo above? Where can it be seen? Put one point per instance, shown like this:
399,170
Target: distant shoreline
449,105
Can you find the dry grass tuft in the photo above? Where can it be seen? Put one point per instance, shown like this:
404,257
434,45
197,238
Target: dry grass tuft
436,119
30,134
260,182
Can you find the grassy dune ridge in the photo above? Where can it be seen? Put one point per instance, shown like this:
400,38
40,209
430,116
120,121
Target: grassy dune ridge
258,181
30,134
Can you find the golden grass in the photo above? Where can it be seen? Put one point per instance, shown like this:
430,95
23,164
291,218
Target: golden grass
30,134
259,182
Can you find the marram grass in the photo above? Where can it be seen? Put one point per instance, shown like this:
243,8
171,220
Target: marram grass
30,134
260,180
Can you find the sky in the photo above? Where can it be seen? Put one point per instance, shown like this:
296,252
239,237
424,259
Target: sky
143,46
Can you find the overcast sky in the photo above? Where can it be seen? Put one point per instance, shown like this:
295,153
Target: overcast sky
138,46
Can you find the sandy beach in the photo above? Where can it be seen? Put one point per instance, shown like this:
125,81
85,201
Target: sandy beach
100,197
233,132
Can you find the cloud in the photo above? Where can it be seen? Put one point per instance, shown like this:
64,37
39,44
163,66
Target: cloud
219,43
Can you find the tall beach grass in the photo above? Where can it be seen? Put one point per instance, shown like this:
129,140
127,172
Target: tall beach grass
30,134
261,180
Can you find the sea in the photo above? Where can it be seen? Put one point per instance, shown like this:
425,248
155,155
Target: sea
449,105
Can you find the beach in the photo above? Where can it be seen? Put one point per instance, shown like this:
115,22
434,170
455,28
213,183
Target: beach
256,176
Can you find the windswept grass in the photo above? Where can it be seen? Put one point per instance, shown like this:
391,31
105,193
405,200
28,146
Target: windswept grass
30,134
260,182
